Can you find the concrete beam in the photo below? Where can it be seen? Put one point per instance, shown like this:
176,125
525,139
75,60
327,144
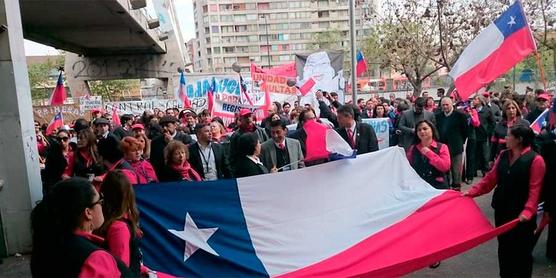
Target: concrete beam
19,165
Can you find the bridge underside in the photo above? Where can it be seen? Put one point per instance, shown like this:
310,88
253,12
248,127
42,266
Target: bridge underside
89,27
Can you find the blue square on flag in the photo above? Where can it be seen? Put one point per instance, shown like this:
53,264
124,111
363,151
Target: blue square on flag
188,235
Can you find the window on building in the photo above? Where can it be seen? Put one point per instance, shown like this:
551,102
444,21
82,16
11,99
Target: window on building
216,50
274,48
250,6
324,24
214,29
226,18
322,14
226,7
240,28
253,48
229,60
205,9
228,49
209,51
263,6
214,18
251,17
213,7
295,4
253,38
323,3
284,58
240,18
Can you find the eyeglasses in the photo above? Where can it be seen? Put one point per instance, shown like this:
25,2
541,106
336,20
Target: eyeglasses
99,202
60,139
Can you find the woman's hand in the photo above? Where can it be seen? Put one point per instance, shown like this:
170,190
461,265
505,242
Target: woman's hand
274,169
522,218
425,150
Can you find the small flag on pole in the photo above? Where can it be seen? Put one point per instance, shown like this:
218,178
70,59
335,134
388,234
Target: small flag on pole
306,88
58,95
210,94
57,122
243,88
361,64
182,93
540,122
552,115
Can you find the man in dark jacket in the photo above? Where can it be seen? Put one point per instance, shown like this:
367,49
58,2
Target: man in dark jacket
169,125
452,130
246,125
359,136
208,159
541,103
124,130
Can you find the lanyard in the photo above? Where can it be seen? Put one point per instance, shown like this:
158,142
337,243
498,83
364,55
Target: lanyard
206,160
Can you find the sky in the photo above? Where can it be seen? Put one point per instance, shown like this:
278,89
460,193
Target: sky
185,17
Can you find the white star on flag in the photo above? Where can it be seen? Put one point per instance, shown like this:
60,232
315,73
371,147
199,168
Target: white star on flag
512,21
194,238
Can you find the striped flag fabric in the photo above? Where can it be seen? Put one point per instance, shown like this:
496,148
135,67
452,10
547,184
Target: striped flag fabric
361,66
325,142
115,118
243,89
55,123
58,95
552,115
309,222
500,46
210,94
182,92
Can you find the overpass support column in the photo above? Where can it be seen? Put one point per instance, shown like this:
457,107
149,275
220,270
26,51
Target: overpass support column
20,183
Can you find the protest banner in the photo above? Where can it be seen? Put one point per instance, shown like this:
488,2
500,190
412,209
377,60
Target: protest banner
277,82
325,68
198,85
226,110
382,130
70,112
88,103
138,107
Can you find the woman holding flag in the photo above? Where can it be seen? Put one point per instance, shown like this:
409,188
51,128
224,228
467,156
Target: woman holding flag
517,178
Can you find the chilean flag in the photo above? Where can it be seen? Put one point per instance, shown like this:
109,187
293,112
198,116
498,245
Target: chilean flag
307,86
58,95
182,92
210,94
325,142
57,122
243,89
500,46
339,219
361,64
540,121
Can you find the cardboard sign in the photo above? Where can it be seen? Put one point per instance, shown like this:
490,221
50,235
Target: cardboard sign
382,130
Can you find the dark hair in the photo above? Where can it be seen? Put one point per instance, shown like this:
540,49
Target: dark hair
417,140
57,216
247,143
279,123
375,113
80,124
126,117
200,126
286,103
301,118
359,100
420,102
110,149
119,199
524,132
278,107
334,94
346,110
91,142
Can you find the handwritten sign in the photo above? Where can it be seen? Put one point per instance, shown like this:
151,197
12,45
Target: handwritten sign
88,103
382,130
70,112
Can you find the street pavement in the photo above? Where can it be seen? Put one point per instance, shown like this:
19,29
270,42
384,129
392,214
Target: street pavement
478,262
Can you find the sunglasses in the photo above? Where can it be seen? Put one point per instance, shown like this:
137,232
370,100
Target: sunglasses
60,139
99,202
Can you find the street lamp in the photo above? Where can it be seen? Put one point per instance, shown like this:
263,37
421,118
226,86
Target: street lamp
266,32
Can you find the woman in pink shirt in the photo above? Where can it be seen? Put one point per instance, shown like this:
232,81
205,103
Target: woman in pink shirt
63,242
429,158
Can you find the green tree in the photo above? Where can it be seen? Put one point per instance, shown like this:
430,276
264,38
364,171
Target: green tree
114,90
42,77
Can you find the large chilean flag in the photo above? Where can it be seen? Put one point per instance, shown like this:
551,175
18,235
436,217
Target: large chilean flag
500,46
372,215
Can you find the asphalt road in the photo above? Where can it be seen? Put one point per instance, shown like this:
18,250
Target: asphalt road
478,262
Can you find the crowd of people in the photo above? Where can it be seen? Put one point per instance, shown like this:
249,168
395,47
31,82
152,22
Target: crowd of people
89,168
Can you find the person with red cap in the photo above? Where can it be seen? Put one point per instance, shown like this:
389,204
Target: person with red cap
541,103
246,124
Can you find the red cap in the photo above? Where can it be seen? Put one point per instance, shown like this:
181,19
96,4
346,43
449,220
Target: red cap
245,112
96,110
486,94
137,126
543,96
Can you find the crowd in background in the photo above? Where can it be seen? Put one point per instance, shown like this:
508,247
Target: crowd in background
448,141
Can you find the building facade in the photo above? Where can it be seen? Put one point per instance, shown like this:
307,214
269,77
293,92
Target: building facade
268,33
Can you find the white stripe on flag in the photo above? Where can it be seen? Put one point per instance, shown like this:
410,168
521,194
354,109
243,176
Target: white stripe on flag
301,217
479,49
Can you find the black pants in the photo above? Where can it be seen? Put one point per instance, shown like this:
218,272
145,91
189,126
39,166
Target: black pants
551,242
515,247
483,155
471,159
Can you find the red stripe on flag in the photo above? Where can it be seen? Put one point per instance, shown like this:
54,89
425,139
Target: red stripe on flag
514,49
306,88
413,243
115,118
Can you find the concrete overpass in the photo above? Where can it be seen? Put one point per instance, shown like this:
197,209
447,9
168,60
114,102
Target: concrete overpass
90,27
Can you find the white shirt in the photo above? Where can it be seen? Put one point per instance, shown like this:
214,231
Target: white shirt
254,159
209,162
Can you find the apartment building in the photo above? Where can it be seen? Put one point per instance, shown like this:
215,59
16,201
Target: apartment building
269,32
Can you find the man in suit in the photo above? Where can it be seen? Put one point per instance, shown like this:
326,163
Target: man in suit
170,132
360,136
453,130
209,160
410,118
281,153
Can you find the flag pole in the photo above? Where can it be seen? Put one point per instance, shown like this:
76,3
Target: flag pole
353,50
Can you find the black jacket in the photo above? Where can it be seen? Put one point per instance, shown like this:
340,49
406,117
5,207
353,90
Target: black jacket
452,130
365,138
223,170
120,132
157,150
246,167
484,131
